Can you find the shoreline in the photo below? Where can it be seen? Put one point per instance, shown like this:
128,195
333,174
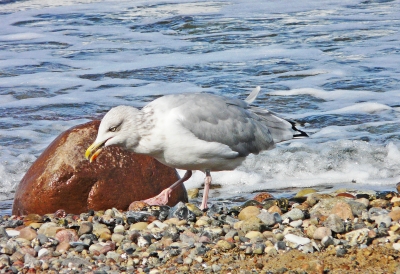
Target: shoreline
310,232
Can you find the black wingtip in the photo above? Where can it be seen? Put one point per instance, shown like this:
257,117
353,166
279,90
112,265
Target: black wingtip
299,133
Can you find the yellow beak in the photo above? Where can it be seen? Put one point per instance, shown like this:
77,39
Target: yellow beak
93,148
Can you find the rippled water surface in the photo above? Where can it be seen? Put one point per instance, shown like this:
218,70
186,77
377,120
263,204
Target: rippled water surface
331,65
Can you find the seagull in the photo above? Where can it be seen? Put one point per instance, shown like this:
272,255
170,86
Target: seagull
193,131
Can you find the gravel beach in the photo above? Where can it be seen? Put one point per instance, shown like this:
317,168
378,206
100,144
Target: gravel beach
340,232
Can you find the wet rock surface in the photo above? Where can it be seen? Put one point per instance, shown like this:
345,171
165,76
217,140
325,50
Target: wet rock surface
236,239
61,178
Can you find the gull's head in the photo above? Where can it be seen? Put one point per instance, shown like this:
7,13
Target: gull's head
117,128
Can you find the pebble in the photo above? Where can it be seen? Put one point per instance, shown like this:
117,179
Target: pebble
296,223
248,212
359,236
327,241
294,214
28,233
395,214
142,241
335,223
85,228
343,210
322,232
269,219
305,192
297,239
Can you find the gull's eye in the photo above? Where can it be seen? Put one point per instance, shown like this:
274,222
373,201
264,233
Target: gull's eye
112,129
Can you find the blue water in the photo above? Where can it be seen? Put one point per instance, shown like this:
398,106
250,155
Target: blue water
331,65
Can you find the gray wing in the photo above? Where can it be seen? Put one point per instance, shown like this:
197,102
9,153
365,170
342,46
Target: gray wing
227,121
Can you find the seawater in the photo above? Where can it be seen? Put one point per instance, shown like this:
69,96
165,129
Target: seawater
333,66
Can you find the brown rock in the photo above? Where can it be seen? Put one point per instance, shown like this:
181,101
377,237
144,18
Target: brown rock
248,212
343,210
27,233
395,215
345,194
262,196
62,247
137,206
62,178
274,209
67,235
379,203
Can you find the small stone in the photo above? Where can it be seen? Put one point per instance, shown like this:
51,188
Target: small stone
45,265
12,233
359,236
275,209
214,232
105,236
49,229
193,208
258,248
343,210
43,252
138,226
193,193
202,222
363,201
216,268
374,212
345,194
385,219
280,245
297,240
159,224
310,231
182,212
305,191
248,212
297,223
225,245
294,214
63,247
269,219
322,232
27,233
271,251
260,197
117,238
119,229
396,246
252,224
380,203
67,235
254,234
395,215
340,252
85,228
144,241
335,223
231,234
327,241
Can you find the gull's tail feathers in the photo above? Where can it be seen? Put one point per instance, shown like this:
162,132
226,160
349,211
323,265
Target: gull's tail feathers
281,129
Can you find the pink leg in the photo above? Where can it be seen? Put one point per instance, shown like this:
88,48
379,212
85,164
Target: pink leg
162,198
207,183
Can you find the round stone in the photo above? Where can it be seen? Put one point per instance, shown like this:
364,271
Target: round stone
248,212
321,232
